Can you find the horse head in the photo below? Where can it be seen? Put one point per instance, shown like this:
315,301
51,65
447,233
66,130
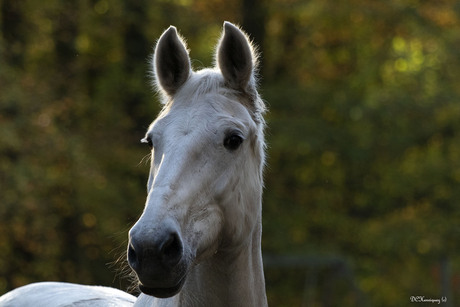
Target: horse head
207,148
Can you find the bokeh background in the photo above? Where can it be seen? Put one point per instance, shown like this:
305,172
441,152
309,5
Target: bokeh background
361,205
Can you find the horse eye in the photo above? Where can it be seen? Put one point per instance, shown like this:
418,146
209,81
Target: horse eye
233,141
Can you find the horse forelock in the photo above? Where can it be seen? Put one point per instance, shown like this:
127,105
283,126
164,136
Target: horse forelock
210,81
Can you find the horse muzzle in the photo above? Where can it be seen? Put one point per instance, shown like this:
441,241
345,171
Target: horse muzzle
157,257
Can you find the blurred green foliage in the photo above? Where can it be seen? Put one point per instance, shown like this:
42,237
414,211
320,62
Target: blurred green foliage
363,175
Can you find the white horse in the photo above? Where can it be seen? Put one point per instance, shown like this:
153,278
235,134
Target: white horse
61,294
198,241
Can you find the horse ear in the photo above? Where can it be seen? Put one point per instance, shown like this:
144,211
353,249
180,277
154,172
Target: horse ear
171,61
235,57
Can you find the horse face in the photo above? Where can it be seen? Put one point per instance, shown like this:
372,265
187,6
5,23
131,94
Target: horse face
205,177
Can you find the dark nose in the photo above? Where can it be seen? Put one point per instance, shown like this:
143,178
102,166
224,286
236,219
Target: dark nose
153,256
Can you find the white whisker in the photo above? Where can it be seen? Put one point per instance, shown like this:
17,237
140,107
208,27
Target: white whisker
145,160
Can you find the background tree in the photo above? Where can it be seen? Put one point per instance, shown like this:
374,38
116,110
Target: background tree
363,176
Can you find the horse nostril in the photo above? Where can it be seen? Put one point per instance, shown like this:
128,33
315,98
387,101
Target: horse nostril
171,250
133,259
152,255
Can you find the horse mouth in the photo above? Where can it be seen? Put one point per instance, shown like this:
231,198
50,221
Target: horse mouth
162,292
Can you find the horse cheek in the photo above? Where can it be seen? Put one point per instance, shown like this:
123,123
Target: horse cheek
207,232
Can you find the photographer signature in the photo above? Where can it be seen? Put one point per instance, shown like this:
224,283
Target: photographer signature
423,299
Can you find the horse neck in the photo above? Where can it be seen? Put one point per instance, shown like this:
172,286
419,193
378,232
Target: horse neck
229,278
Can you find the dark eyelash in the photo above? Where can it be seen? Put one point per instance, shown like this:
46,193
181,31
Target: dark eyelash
147,141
